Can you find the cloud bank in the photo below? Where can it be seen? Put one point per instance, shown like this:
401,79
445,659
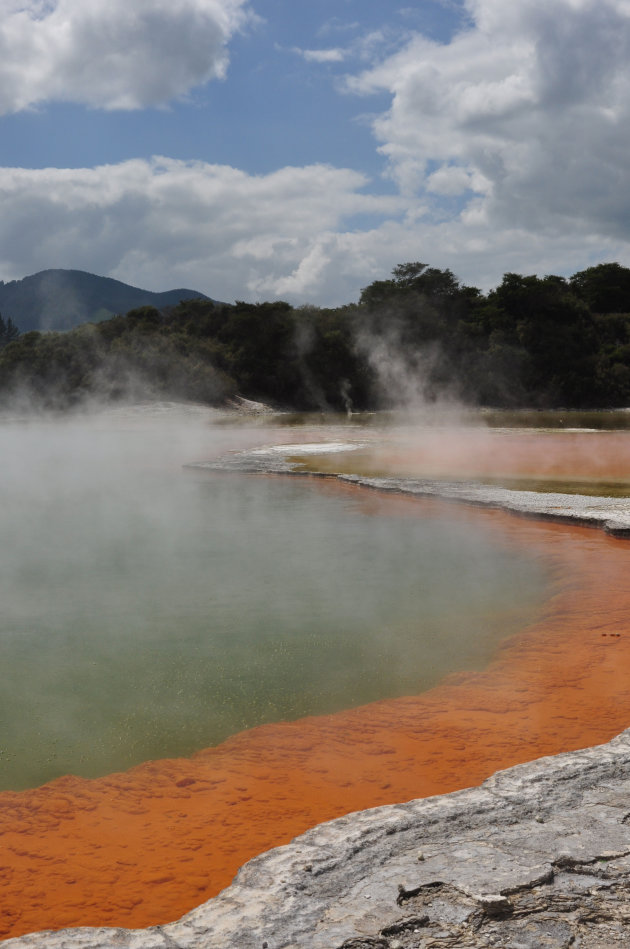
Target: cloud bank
165,223
114,55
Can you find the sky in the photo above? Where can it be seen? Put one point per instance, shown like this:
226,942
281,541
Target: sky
286,149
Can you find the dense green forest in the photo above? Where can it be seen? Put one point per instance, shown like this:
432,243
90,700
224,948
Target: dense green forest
421,335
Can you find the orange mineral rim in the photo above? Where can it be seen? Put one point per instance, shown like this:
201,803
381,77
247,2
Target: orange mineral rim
145,846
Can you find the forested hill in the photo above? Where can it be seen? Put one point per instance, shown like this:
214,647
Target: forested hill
536,342
61,299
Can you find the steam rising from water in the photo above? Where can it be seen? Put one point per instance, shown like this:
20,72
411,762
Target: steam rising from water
148,612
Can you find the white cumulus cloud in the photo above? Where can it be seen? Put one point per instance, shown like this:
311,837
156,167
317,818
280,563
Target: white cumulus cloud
112,54
166,223
529,107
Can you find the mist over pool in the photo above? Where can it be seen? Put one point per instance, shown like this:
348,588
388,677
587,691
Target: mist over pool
149,611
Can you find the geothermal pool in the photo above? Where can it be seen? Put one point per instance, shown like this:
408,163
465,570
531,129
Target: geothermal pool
292,635
149,613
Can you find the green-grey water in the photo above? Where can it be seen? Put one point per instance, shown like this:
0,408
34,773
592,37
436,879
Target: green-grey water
147,611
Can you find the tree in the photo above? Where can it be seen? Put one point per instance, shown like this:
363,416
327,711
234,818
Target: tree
604,288
412,278
557,331
8,331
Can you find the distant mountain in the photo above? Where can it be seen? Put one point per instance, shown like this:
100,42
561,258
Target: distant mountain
61,299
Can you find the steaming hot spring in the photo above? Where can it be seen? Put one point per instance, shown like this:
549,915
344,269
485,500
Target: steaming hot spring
203,655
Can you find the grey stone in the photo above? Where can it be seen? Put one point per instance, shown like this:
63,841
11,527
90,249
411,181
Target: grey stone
492,874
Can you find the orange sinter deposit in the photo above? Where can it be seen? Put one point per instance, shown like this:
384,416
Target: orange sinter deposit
145,846
496,454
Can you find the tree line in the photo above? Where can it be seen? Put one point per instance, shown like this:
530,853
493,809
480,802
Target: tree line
536,342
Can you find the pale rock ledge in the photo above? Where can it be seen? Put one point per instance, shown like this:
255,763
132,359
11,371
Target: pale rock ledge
537,856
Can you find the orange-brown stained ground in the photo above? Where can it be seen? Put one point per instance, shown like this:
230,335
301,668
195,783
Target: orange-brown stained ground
145,846
491,453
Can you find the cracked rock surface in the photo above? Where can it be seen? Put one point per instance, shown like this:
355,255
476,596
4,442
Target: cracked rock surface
537,856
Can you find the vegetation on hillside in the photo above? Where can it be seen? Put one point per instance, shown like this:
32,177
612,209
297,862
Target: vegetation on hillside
420,335
63,299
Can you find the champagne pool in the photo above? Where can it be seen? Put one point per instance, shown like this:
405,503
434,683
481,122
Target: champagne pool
314,647
149,612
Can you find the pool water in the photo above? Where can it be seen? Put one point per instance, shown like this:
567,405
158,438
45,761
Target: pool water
147,611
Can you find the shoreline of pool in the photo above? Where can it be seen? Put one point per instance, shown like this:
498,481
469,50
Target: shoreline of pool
611,514
510,852
388,861
608,513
